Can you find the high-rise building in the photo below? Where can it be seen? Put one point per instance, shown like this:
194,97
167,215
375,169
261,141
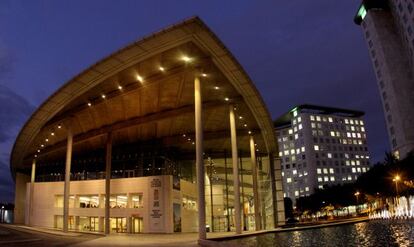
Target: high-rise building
320,146
388,27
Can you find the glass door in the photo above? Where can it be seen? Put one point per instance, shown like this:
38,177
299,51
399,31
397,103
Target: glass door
137,224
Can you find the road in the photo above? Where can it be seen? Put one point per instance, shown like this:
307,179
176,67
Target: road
21,237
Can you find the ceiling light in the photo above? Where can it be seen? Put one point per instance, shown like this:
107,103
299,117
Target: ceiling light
240,117
162,68
226,99
139,78
183,135
245,125
120,87
217,88
35,155
53,133
186,59
249,132
38,150
204,75
42,145
103,96
59,126
46,140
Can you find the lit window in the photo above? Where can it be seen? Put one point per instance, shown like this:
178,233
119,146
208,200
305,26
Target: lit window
283,174
294,172
290,131
329,155
330,119
332,133
353,170
318,118
318,171
320,179
295,129
347,162
295,113
286,152
302,149
320,186
316,147
296,136
296,193
358,162
352,128
361,122
288,180
300,126
313,125
306,188
348,134
356,122
346,121
280,154
325,170
312,118
326,179
293,158
299,119
364,169
298,150
331,170
332,179
362,129
349,178
353,135
137,201
294,121
351,121
358,169
292,151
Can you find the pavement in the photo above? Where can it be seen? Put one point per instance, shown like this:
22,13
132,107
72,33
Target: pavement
18,235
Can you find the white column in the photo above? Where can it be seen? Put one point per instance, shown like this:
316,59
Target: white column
32,180
255,188
67,181
108,170
236,181
199,159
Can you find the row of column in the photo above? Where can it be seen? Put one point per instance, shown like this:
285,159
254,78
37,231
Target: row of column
234,151
199,166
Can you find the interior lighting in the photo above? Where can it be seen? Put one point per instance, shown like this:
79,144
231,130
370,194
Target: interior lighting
139,78
162,68
217,88
120,87
226,99
186,59
59,126
89,104
103,96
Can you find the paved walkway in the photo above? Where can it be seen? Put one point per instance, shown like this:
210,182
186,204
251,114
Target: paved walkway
170,240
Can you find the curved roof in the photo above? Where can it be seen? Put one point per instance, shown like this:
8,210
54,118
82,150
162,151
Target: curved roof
67,106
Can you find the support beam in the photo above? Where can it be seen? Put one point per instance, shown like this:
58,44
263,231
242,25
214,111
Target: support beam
273,185
199,159
108,173
67,180
32,180
255,188
236,182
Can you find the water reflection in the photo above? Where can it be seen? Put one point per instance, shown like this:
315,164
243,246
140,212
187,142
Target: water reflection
372,233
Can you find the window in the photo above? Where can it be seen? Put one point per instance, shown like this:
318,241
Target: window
318,171
302,149
295,172
312,118
320,179
288,180
316,147
118,201
329,155
306,188
136,201
89,201
296,193
330,119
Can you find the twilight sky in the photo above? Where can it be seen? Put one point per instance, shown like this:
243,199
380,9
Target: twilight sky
296,52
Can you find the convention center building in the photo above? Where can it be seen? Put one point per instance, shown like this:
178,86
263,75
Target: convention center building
168,134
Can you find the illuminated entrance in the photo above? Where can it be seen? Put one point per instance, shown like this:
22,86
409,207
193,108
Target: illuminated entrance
118,224
137,224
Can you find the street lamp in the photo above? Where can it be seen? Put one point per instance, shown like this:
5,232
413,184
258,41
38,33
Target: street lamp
396,179
356,194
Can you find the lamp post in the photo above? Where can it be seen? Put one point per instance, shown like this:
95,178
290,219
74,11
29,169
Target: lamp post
356,194
396,179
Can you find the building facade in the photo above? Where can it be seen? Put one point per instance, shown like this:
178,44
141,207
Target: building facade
166,135
388,27
320,146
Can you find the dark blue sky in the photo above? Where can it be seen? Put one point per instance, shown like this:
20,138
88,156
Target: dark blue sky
296,51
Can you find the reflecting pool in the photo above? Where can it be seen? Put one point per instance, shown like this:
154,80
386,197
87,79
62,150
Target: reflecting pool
371,233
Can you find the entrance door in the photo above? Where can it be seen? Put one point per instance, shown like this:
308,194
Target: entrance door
137,224
118,224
